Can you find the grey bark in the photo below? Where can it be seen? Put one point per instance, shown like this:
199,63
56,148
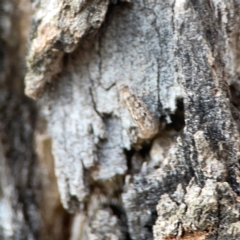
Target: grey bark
19,181
29,201
181,58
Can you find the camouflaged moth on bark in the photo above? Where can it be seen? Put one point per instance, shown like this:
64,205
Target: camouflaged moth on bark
139,112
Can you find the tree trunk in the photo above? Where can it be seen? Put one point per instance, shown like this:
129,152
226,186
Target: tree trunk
136,104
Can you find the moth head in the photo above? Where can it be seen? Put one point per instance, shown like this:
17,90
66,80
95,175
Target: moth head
123,87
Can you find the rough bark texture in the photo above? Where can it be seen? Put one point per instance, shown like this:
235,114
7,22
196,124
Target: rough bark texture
181,58
29,200
19,180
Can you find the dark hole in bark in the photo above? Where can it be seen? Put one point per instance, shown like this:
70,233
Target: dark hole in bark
135,158
235,96
73,203
2,55
118,2
144,151
129,154
59,45
177,118
149,225
120,213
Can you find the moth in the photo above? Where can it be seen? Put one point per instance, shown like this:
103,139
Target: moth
142,117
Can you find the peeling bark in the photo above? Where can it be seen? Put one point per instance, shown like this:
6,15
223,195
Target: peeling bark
58,29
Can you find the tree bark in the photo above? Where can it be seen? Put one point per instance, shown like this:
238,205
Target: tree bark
179,60
29,200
